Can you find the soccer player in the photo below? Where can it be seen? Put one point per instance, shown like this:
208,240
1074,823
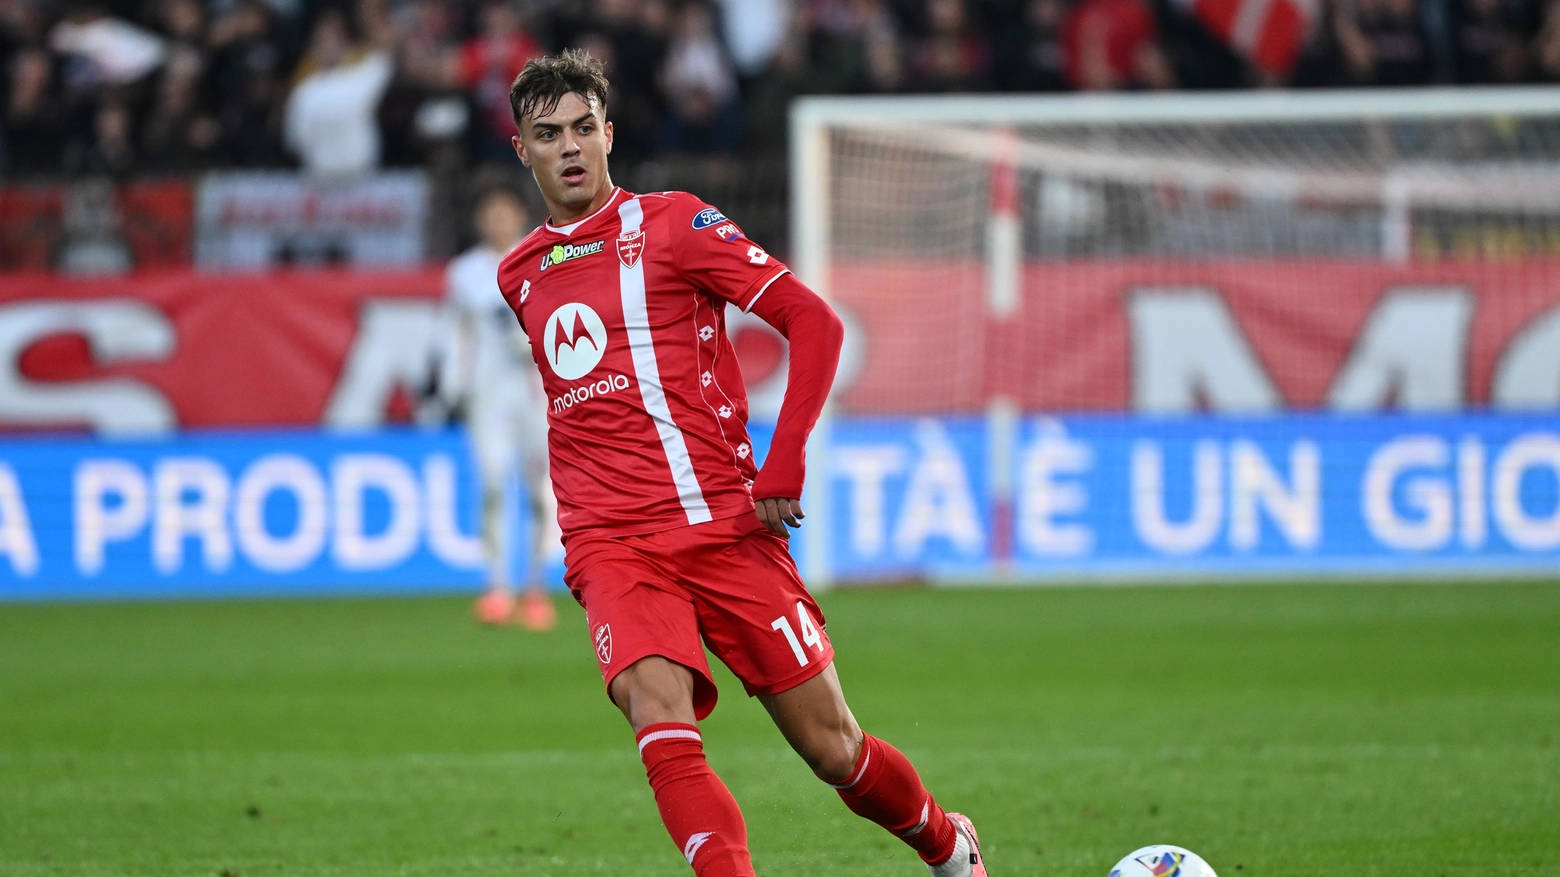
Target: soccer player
487,371
670,532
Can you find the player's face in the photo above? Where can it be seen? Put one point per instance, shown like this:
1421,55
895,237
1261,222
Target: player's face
566,151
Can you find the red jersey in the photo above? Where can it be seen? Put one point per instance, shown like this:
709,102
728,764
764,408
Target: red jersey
625,310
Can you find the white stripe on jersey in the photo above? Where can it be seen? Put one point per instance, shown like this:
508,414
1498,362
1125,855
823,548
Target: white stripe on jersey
636,319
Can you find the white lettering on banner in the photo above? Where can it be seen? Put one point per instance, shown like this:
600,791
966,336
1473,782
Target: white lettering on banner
1429,497
191,500
938,502
1473,521
1295,510
352,475
1149,519
445,539
867,467
116,331
265,476
17,542
1411,354
1527,377
1044,495
397,345
96,524
190,497
1517,524
1188,350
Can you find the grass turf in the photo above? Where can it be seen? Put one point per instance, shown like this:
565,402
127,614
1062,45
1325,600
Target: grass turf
1323,730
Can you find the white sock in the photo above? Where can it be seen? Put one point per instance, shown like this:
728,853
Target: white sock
958,864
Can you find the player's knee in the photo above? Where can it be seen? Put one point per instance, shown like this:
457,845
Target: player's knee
654,690
833,755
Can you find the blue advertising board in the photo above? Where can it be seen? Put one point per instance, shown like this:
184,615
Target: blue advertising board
1057,499
239,513
1148,498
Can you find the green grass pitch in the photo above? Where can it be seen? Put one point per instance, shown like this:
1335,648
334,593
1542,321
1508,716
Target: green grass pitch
1277,730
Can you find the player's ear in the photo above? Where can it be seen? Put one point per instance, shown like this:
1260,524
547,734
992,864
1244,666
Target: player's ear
606,129
520,150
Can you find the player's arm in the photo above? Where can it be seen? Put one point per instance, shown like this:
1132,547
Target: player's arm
815,335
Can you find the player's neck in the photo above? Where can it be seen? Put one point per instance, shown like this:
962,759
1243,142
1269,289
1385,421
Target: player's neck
559,215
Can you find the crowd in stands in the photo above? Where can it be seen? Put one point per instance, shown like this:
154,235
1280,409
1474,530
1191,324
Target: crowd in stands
138,87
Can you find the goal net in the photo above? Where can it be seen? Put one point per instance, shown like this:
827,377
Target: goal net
1008,259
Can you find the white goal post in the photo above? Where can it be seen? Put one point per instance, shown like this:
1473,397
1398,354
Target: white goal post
1394,176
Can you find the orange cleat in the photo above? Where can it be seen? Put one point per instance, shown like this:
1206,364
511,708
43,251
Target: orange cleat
494,607
536,612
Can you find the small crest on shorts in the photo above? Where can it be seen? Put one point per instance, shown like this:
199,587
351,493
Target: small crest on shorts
630,245
603,639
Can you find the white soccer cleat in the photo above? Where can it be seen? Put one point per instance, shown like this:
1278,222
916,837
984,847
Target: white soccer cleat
967,860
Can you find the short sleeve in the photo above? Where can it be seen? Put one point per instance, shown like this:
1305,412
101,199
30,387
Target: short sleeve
714,254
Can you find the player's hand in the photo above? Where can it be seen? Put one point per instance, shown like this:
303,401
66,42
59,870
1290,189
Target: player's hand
776,513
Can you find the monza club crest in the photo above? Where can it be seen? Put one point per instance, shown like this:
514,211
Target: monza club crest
630,245
604,643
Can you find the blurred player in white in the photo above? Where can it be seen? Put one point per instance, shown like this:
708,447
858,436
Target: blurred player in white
488,371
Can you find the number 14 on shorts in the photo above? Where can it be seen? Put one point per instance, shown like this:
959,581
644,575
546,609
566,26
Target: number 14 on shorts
810,635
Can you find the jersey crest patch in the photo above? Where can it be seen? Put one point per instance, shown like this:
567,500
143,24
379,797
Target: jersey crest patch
707,217
630,245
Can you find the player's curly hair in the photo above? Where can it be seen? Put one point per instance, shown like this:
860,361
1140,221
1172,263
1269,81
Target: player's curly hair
544,81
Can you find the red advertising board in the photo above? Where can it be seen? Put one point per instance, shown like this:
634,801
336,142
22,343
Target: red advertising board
1076,342
223,350
184,349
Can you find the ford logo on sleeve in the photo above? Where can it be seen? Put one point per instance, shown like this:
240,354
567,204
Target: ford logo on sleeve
708,217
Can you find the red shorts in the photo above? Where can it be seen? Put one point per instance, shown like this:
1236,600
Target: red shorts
730,582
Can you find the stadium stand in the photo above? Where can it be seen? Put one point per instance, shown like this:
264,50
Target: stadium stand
137,90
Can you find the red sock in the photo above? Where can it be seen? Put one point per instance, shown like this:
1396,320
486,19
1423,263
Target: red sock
885,788
696,807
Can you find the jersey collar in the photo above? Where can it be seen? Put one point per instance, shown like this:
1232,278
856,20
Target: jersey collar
569,229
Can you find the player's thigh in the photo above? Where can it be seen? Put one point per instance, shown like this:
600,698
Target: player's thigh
634,611
754,611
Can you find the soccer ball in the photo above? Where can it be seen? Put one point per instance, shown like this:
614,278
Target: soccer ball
1162,860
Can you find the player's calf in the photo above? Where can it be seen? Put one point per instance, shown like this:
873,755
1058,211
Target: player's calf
696,807
656,695
884,787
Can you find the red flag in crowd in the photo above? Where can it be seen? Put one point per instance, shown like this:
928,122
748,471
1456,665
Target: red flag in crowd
1268,32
